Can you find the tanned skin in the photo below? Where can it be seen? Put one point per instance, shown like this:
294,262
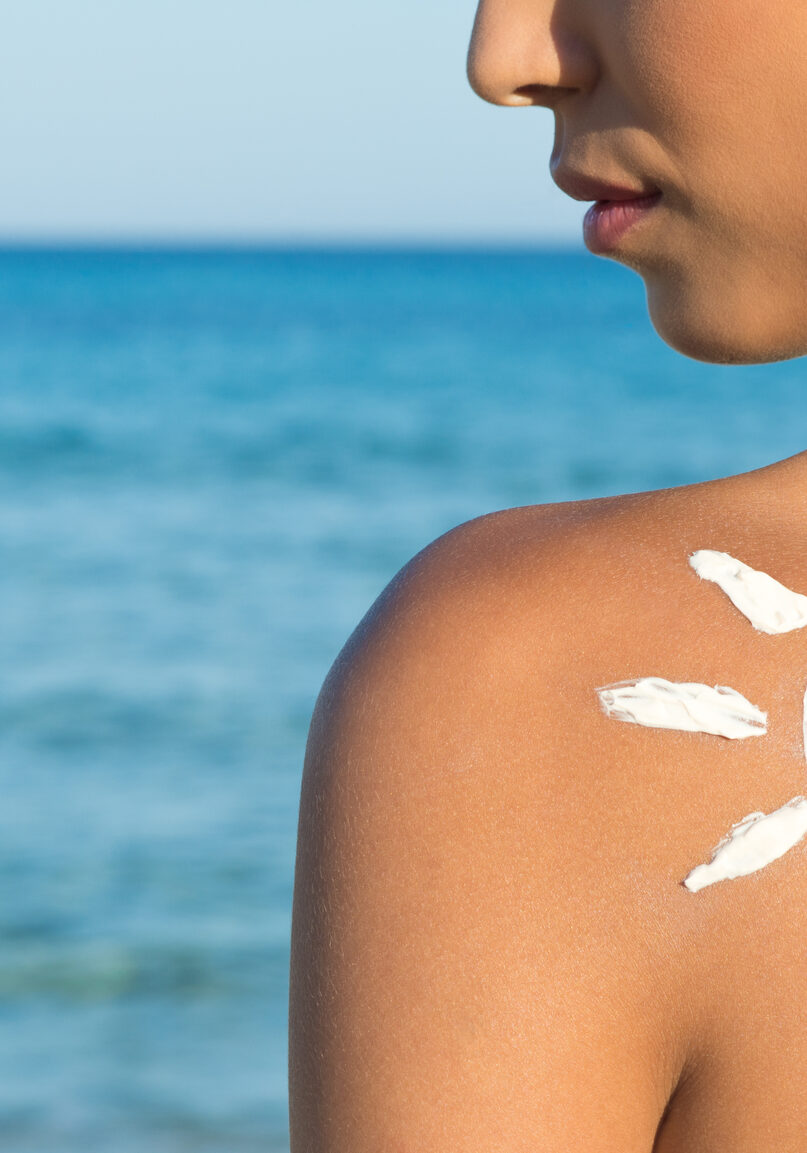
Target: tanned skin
492,947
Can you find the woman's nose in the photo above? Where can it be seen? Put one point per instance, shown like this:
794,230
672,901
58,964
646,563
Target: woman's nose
520,53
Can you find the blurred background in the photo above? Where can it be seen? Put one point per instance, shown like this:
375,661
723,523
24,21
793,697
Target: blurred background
280,302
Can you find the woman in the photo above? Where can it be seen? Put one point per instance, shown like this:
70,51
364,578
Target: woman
492,945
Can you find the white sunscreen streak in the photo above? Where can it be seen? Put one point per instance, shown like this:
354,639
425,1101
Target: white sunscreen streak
752,844
768,605
692,708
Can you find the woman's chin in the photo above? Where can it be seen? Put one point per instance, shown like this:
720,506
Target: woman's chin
723,327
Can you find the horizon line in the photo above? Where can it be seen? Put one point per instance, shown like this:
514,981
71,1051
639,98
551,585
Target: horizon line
160,243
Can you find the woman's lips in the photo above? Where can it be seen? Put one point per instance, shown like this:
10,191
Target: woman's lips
607,221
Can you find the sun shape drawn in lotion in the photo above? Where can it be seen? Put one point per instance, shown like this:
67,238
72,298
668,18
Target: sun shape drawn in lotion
759,838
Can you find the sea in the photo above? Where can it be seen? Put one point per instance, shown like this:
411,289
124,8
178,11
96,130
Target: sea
211,463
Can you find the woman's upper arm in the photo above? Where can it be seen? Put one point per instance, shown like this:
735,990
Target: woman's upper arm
464,975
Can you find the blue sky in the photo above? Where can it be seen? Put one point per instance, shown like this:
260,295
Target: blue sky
276,120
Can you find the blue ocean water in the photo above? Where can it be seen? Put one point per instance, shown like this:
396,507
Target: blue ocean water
210,465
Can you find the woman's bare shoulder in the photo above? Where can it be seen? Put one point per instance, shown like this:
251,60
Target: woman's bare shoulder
491,938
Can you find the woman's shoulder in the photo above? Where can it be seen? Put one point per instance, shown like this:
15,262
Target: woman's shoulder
488,648
489,873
